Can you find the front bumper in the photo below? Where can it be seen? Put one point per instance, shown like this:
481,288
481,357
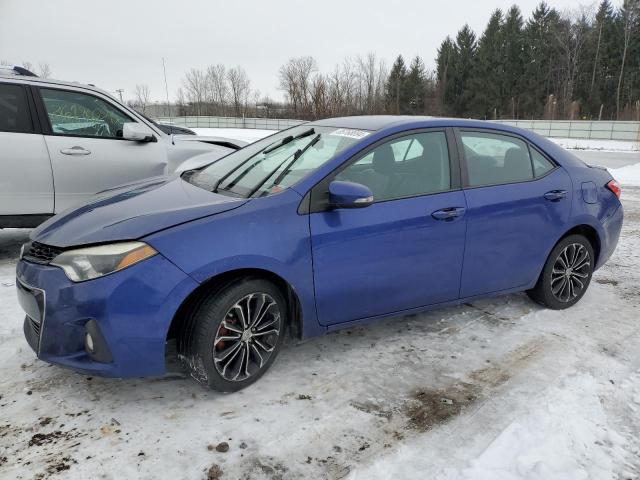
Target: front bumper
128,313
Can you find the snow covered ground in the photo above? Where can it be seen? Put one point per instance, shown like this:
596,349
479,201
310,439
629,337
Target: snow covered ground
600,145
245,134
496,389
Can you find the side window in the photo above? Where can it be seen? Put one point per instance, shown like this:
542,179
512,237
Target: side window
540,164
73,113
408,166
14,109
494,158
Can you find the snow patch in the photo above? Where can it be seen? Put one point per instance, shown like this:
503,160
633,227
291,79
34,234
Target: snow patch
600,145
629,175
562,437
244,134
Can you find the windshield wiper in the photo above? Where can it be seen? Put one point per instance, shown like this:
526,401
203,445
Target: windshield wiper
298,153
267,150
286,140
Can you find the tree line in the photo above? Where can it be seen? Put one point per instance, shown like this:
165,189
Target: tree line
580,64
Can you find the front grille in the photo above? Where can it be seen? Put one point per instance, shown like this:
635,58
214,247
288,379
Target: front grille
41,253
35,326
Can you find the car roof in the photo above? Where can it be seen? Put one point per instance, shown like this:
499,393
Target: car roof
383,122
48,81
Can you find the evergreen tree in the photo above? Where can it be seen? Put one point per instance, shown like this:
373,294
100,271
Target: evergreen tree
601,62
444,71
395,86
512,78
415,87
489,71
538,58
463,69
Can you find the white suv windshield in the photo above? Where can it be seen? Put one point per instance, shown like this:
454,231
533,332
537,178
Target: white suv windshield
277,162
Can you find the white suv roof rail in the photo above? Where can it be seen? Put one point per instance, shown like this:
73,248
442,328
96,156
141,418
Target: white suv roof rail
16,70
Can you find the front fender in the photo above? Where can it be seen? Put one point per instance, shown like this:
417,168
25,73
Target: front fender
266,234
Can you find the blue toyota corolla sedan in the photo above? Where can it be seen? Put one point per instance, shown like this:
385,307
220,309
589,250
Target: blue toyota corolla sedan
323,226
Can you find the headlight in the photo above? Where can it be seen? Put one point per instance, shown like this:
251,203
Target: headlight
22,249
93,262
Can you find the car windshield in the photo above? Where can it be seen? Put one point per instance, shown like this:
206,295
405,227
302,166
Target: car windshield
276,162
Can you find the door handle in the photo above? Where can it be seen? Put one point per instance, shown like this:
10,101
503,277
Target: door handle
448,213
555,195
75,151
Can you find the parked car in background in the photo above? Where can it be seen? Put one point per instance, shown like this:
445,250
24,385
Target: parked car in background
171,129
61,142
323,226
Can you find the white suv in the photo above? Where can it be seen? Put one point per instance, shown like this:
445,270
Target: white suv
62,142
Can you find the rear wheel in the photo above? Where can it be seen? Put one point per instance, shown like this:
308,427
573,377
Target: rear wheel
566,274
234,334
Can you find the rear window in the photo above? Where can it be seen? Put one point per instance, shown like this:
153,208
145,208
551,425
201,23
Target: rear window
14,109
495,159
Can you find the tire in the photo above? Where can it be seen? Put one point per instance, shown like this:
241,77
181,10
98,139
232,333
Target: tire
559,287
218,345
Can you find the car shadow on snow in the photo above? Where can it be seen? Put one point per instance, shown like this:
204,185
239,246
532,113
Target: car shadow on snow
11,240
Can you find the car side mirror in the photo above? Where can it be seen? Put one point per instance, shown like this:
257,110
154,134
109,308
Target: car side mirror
349,195
137,132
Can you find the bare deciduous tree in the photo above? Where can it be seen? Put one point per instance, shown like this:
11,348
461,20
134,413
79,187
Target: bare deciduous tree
217,88
45,70
143,97
239,88
295,80
195,89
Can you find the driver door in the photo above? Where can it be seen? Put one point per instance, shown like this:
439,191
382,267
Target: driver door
88,153
400,252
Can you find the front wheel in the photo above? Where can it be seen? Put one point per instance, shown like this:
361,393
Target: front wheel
566,274
233,336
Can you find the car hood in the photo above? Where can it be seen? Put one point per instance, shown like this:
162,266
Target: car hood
132,212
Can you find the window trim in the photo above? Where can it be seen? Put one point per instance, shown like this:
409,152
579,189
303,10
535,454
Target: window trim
35,130
463,159
316,199
48,128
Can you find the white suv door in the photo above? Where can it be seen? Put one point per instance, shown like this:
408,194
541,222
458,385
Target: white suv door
88,153
26,183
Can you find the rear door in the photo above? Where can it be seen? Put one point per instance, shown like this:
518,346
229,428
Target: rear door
405,250
518,202
88,153
26,182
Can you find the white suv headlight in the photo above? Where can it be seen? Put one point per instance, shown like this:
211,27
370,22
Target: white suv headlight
93,262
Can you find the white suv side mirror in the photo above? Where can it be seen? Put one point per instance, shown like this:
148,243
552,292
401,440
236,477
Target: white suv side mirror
137,132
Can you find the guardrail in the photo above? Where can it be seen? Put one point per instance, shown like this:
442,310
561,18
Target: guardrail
596,130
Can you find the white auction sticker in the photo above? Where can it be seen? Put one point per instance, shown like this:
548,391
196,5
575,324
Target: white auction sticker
351,133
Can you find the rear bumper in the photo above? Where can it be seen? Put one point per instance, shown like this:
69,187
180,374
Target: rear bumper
127,313
612,226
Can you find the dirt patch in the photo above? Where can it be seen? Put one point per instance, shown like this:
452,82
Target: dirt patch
433,407
40,439
496,374
214,472
372,409
607,281
428,408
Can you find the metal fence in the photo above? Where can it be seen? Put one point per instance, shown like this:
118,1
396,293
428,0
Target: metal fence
232,122
597,130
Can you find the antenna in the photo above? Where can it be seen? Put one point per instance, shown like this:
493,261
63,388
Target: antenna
166,89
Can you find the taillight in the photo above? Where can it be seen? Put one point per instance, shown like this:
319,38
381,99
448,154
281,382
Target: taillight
615,188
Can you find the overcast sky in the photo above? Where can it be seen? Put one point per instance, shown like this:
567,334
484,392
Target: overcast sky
118,44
